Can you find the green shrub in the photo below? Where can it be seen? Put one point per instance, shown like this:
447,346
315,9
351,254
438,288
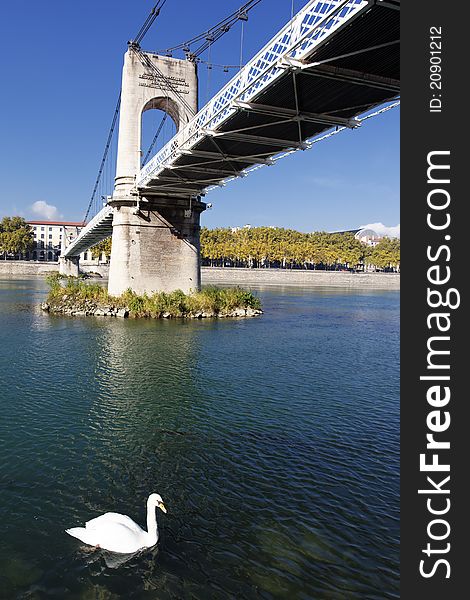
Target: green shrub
53,280
177,304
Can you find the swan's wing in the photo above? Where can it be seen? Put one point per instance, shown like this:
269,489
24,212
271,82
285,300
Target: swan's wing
110,518
112,535
87,536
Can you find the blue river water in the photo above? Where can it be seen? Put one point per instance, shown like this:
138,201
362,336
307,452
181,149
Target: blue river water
274,442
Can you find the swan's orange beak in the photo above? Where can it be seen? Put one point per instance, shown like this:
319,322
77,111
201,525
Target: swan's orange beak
161,506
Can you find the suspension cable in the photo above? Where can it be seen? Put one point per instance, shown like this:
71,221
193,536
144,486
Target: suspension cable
160,127
213,34
209,70
225,67
149,21
242,35
105,155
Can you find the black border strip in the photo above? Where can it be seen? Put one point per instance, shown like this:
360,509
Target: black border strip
433,120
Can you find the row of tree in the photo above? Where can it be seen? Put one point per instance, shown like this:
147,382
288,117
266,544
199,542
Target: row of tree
254,247
16,236
287,248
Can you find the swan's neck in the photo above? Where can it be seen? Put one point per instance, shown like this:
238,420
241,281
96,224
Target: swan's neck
152,529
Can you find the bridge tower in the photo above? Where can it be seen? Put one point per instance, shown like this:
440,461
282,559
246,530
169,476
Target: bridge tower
155,241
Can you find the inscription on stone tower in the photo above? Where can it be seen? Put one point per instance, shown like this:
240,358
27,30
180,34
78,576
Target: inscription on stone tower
176,84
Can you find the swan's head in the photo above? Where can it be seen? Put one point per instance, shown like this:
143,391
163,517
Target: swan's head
155,500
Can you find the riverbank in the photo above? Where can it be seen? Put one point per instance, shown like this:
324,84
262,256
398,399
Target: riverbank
287,277
234,276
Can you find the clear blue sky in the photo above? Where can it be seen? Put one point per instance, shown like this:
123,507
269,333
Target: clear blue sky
61,68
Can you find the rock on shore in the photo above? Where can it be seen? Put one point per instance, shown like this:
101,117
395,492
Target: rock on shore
89,308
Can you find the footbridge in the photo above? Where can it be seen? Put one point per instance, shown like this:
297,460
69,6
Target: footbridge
322,73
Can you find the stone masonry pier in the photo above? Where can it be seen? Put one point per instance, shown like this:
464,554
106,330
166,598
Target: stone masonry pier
155,246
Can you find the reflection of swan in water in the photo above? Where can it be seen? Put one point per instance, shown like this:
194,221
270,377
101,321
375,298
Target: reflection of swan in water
119,533
112,560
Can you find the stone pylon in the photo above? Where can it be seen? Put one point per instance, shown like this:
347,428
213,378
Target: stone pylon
155,243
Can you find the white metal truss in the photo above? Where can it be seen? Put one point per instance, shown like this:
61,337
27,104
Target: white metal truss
98,229
308,145
354,77
292,115
312,25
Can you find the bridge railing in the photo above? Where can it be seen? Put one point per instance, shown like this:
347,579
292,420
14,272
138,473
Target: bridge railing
312,24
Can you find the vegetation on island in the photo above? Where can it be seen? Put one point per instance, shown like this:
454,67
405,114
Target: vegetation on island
70,295
286,248
16,236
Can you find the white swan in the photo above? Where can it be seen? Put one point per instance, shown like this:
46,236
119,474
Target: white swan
119,533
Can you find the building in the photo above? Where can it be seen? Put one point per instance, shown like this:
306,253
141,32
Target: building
369,237
49,237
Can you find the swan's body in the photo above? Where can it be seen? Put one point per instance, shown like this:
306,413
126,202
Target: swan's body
119,533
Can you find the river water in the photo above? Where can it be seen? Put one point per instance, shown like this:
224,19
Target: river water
273,442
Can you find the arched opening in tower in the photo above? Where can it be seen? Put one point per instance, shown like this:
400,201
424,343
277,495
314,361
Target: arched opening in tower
159,126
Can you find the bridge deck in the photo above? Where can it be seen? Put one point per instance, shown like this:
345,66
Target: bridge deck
334,61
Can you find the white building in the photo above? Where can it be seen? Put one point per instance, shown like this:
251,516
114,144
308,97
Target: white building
368,237
49,236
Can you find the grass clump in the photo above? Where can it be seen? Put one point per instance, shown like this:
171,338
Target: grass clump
216,300
53,281
74,288
209,301
69,293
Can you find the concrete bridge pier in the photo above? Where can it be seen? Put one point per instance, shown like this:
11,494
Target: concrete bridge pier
155,245
69,266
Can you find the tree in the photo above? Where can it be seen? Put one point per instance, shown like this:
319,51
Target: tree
287,248
385,255
102,247
16,236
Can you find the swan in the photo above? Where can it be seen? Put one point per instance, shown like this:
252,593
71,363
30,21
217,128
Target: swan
119,533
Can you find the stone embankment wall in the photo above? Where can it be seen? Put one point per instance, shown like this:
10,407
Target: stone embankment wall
266,277
18,268
231,276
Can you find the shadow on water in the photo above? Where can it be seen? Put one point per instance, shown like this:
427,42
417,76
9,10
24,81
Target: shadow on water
273,442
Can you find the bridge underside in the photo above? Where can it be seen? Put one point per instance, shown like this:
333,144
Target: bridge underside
97,230
355,70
